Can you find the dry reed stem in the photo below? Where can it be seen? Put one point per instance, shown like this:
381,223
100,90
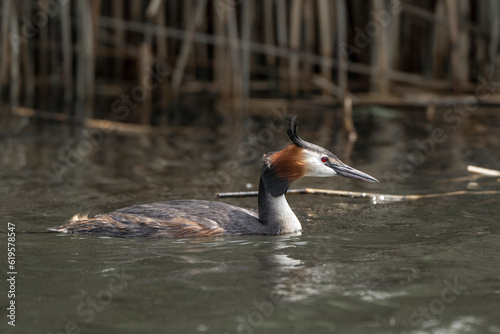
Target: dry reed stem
187,46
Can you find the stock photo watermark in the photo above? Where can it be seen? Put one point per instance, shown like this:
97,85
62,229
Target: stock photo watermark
247,151
122,106
363,38
224,7
74,153
449,294
11,274
453,118
265,308
30,26
90,306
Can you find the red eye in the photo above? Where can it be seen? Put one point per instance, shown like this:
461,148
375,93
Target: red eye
324,159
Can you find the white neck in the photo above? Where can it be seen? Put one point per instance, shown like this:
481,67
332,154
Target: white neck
275,212
279,216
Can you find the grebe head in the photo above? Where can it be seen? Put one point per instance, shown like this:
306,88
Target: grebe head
302,158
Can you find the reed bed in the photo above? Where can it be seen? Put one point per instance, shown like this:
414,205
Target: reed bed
63,56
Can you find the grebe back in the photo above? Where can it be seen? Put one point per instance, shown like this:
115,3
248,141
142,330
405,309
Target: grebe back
193,218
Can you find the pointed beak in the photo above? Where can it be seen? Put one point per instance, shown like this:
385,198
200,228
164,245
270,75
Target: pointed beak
346,171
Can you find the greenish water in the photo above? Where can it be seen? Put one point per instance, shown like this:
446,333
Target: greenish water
426,266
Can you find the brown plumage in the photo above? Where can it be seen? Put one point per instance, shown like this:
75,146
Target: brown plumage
288,163
179,219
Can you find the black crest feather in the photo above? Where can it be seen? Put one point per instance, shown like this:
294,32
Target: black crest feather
292,133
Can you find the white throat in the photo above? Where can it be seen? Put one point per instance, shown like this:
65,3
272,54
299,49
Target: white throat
280,216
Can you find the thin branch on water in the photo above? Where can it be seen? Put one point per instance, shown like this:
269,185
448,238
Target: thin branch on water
483,171
355,194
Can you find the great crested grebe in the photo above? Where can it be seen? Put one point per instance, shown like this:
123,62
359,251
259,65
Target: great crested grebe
193,218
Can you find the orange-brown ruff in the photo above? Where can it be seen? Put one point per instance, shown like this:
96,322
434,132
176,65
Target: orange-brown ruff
288,163
192,218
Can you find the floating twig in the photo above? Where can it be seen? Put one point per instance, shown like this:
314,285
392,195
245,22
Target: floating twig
483,171
355,194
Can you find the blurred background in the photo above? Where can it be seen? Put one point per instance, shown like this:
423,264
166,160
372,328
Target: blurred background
135,61
106,104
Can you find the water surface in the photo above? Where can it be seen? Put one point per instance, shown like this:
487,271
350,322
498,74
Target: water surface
426,266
